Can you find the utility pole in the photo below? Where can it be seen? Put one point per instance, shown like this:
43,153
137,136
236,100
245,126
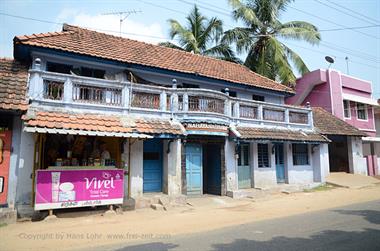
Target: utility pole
122,15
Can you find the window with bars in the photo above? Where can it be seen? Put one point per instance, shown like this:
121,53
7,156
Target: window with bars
263,155
300,154
298,117
97,95
146,100
249,112
361,110
347,109
273,114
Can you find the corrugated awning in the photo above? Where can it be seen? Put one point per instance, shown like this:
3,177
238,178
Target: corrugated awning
359,99
86,133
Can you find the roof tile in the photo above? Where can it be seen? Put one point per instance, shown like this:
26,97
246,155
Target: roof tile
86,42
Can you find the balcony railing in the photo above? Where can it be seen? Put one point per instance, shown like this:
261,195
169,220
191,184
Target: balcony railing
184,103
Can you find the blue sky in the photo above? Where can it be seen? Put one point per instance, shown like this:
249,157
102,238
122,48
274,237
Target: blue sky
362,50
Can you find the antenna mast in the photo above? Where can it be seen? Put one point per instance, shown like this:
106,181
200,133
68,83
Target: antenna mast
122,15
348,72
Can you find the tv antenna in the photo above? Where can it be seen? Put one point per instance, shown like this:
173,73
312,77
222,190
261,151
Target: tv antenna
122,15
329,60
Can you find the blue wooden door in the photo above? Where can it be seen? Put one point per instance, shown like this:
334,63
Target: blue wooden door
152,166
213,169
194,168
280,167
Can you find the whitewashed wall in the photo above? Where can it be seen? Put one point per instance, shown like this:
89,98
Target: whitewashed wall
263,177
357,162
231,166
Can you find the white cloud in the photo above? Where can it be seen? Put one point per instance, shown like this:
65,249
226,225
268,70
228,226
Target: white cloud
151,33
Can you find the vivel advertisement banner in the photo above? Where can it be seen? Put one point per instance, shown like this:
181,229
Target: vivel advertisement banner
78,188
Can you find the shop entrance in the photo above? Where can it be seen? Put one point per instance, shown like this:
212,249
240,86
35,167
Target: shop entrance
338,154
152,166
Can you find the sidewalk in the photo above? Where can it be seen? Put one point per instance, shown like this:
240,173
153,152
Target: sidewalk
201,214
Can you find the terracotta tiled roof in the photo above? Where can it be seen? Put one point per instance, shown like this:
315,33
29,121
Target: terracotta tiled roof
328,124
86,42
13,82
100,123
279,134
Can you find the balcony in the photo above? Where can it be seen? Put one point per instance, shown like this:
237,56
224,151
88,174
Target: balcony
181,103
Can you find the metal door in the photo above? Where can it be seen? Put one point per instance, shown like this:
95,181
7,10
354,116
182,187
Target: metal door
194,168
280,167
152,166
244,170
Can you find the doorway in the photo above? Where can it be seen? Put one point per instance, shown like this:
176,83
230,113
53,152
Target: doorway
280,166
338,154
152,166
244,169
194,167
212,169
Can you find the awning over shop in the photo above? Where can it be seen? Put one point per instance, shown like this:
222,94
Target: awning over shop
359,99
253,133
98,125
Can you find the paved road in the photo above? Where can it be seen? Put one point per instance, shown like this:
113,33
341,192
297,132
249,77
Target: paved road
355,227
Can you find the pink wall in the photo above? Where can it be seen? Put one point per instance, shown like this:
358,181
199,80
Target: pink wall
325,88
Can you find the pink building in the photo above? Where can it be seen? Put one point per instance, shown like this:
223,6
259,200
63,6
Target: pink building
346,97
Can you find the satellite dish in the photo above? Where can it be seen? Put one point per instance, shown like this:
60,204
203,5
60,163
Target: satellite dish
329,59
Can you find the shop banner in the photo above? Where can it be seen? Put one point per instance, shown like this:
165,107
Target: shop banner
78,188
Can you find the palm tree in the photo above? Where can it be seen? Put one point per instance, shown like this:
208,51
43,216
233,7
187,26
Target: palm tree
267,55
200,36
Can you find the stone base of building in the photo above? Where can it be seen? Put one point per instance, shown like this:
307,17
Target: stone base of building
8,216
165,200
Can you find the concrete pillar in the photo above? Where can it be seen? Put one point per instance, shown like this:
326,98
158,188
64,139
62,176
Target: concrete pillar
320,160
137,169
288,160
24,173
172,167
231,166
14,160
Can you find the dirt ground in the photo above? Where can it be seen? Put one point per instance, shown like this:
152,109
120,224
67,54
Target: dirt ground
202,214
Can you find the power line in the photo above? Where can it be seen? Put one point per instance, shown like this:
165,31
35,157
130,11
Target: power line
332,22
355,12
344,12
352,28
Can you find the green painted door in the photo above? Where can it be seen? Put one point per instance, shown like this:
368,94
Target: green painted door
244,169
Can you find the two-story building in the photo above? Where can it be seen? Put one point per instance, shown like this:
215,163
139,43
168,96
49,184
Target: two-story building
349,99
176,123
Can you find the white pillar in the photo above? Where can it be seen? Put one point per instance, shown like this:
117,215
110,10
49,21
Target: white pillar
172,167
231,166
356,161
136,169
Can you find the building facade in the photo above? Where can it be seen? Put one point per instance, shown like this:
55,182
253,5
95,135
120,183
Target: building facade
350,99
176,123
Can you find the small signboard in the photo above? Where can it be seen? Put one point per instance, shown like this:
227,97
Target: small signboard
78,188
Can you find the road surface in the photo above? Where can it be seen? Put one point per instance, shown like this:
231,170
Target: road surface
356,227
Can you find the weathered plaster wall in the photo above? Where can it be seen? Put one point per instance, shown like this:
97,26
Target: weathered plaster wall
231,166
357,163
320,160
300,174
263,177
172,168
14,160
137,169
25,169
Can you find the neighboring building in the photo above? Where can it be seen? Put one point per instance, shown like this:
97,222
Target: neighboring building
374,148
347,98
177,123
345,148
13,79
